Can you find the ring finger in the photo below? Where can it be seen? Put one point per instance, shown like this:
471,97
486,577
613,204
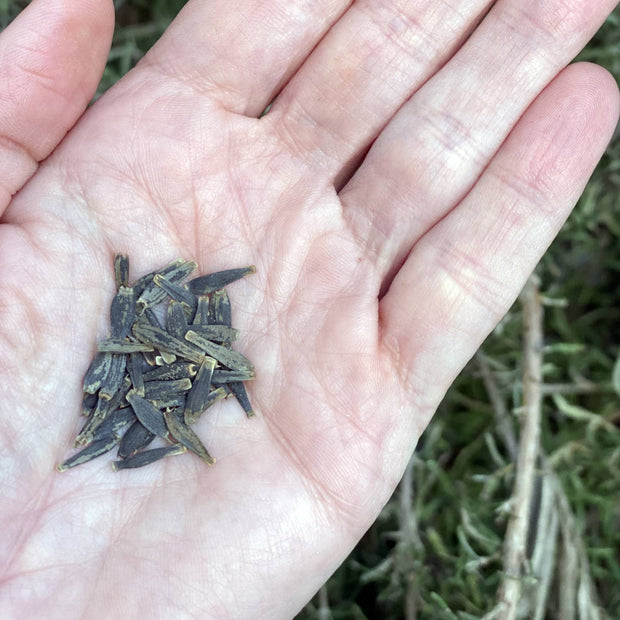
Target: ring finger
439,143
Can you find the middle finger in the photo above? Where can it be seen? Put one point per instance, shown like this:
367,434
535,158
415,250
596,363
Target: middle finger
433,151
368,64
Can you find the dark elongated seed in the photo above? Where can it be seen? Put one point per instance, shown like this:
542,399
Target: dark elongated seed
214,281
221,307
96,372
114,423
216,333
147,280
103,410
176,320
148,456
176,401
151,318
238,390
86,434
211,311
101,428
165,358
121,270
177,292
221,376
134,367
117,345
103,407
154,294
122,312
178,370
89,402
150,358
198,395
150,416
165,389
212,398
107,405
111,383
136,438
201,318
189,313
165,342
186,436
227,357
95,449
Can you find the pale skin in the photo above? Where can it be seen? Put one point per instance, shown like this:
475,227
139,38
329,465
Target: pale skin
416,164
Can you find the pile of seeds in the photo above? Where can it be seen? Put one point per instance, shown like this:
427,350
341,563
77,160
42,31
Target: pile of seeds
155,378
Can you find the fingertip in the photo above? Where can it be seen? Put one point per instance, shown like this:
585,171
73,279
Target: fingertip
52,57
600,88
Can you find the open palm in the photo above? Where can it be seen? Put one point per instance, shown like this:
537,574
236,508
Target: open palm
379,271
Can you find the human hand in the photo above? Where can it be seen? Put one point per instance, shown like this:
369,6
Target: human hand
378,274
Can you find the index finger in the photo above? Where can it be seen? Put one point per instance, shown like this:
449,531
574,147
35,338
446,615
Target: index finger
51,59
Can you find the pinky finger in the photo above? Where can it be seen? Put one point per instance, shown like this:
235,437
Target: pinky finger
465,273
51,59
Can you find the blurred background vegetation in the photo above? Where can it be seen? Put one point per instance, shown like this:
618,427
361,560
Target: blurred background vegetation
436,551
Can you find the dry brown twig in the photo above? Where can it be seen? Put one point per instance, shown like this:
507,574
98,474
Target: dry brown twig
516,534
552,513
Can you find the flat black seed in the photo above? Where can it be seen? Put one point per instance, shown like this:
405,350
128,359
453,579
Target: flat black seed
87,432
165,389
103,407
211,311
136,438
238,390
226,357
216,333
176,320
201,317
121,270
213,397
151,318
175,291
214,281
177,401
178,370
117,345
114,423
107,405
165,358
189,313
147,280
186,436
220,303
165,342
111,383
150,358
200,389
96,372
154,294
89,402
150,416
148,456
136,374
122,312
95,449
221,376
